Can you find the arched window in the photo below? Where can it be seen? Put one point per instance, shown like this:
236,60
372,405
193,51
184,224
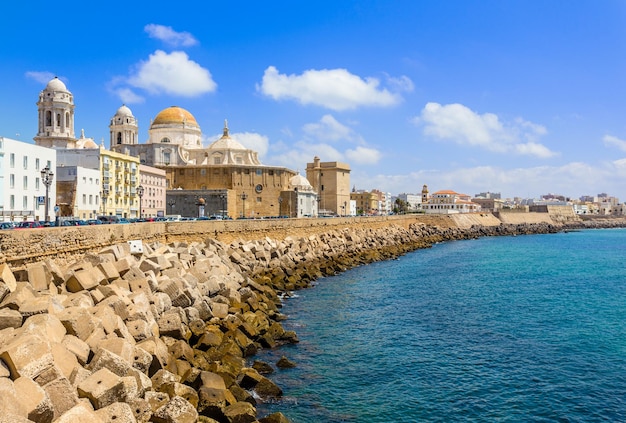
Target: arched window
119,137
58,119
48,118
165,139
67,119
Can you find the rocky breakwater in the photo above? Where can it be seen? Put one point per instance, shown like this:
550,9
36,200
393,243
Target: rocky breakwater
163,333
135,333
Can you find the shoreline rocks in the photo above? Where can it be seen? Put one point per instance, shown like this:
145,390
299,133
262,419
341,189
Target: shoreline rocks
163,333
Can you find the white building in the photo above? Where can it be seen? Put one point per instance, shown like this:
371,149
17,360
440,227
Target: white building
304,201
413,201
154,185
22,191
449,202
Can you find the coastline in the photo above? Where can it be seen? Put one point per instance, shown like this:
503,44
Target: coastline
169,327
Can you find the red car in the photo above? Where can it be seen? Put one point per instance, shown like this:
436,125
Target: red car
29,225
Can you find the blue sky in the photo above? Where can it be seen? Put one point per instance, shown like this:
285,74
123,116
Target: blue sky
519,97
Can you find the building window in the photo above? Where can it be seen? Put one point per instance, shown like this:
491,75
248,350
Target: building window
258,199
259,172
12,160
202,172
25,202
90,199
12,202
36,164
217,160
239,160
84,199
37,184
25,182
11,181
165,139
25,162
48,118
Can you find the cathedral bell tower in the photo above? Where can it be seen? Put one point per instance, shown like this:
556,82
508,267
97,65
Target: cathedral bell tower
56,116
123,128
425,194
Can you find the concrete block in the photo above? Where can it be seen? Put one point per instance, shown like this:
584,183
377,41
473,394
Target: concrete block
175,389
139,329
117,412
78,347
240,412
177,410
81,279
9,400
156,399
38,305
141,409
171,324
34,399
7,276
158,350
105,359
64,359
80,413
27,356
102,388
133,273
120,347
143,382
135,246
62,395
78,299
78,375
49,375
22,293
10,318
162,377
39,276
78,321
219,310
109,271
142,359
140,285
96,336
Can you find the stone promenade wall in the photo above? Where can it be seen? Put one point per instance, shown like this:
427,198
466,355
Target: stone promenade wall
19,247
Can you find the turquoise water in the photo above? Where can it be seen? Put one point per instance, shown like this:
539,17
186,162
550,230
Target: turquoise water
527,328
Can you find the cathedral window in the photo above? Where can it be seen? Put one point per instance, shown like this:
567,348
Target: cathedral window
48,118
239,160
58,119
119,137
217,160
165,139
67,119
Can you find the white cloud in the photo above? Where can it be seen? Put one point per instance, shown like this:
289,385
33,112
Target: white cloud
297,156
253,141
611,141
41,77
328,129
363,155
128,96
460,124
335,89
172,73
402,83
169,36
572,179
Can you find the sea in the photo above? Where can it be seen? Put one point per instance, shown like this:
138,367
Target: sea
497,329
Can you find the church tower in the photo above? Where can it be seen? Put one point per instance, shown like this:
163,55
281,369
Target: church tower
425,194
123,128
56,116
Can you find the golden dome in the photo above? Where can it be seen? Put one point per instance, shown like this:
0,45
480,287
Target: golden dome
174,115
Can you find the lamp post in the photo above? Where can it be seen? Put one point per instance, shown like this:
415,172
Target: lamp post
46,177
105,196
244,196
223,198
140,191
171,204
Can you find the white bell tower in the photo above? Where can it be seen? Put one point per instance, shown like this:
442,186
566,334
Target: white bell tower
56,116
123,128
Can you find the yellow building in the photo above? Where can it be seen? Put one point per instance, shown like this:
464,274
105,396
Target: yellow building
366,202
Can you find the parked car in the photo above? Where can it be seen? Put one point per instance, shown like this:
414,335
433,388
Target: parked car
94,222
7,225
29,225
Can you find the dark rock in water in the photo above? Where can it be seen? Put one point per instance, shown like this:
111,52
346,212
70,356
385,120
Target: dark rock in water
274,418
240,412
285,363
262,367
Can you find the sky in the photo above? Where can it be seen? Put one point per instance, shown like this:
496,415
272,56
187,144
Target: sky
518,97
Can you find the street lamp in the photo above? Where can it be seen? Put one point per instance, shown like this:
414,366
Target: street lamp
244,196
105,195
171,204
140,191
46,177
223,198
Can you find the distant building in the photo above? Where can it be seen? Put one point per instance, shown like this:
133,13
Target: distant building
413,201
488,195
367,202
22,191
449,202
300,200
331,181
153,181
78,192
